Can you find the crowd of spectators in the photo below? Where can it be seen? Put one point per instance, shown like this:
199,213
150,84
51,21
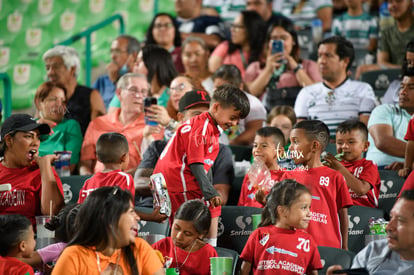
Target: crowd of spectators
218,80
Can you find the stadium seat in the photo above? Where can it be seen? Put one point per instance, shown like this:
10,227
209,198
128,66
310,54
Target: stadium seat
334,256
225,252
152,232
358,218
391,185
241,152
235,191
380,80
71,187
235,226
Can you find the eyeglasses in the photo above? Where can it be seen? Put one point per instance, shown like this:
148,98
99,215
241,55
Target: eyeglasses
237,26
118,51
166,25
179,88
135,91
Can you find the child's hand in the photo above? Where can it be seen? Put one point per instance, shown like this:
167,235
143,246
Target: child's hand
260,196
404,172
157,216
332,162
215,201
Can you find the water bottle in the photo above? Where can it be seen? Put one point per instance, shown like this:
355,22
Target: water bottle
317,33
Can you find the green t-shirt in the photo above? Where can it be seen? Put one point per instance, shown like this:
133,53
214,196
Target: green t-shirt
67,136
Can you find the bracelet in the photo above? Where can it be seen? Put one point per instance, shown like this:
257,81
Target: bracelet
295,70
172,124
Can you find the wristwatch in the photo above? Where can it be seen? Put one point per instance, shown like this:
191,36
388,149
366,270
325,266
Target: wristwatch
295,70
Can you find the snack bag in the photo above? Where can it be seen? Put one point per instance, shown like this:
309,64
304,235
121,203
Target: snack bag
259,176
160,194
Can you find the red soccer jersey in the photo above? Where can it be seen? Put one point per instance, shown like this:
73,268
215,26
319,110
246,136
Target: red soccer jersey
410,130
247,193
197,262
24,197
329,194
368,171
196,141
112,178
13,266
273,250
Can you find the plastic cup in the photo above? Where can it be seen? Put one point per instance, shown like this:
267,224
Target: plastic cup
44,237
62,165
170,271
221,265
256,218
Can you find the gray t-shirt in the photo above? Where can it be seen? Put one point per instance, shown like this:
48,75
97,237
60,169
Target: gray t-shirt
393,42
379,259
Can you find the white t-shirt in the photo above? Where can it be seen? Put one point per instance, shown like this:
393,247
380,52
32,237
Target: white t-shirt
333,106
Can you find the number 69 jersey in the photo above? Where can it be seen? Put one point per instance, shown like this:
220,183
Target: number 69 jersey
329,195
274,250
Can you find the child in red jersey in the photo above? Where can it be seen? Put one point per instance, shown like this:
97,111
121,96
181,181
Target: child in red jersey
187,158
112,150
279,246
184,250
361,175
16,241
267,147
330,195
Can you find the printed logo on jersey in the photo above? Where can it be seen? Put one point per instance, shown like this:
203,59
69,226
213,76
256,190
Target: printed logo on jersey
208,162
351,223
282,265
264,239
13,198
319,217
273,249
385,188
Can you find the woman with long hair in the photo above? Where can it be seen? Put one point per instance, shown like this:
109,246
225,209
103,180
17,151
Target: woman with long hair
283,74
163,32
106,239
245,45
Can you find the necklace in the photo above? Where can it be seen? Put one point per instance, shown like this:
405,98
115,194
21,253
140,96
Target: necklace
177,269
98,261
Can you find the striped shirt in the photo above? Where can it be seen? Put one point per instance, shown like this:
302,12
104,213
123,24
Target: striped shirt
357,29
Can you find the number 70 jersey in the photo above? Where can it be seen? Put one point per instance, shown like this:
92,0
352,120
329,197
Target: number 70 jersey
196,141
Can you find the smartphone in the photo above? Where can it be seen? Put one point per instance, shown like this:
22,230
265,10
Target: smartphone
148,101
277,46
352,271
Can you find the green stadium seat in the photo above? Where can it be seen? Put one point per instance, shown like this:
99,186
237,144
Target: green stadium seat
25,78
334,256
391,185
72,186
358,218
235,226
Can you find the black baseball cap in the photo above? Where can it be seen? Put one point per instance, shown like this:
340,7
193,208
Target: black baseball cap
22,123
192,98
